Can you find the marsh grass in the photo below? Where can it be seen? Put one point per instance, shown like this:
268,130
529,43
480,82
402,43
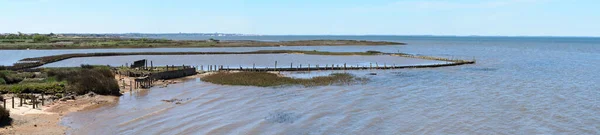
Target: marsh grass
76,80
264,79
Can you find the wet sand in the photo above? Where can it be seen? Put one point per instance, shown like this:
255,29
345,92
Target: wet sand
45,120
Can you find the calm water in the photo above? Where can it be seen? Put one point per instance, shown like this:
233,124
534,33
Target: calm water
250,60
518,86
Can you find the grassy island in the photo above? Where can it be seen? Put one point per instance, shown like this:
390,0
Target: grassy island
265,79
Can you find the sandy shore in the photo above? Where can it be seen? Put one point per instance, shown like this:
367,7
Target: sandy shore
46,120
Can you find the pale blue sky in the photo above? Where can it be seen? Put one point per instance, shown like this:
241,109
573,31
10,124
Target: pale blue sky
305,17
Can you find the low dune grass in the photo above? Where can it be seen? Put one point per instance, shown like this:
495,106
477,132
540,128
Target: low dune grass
264,79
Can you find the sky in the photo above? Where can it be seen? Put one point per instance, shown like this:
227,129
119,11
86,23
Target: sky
305,17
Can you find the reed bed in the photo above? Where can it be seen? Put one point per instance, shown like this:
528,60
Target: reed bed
265,79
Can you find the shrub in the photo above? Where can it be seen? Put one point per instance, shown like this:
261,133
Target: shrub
41,38
4,116
12,77
82,81
86,66
373,52
51,87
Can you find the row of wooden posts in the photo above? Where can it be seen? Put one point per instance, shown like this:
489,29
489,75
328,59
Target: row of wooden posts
172,67
34,101
300,67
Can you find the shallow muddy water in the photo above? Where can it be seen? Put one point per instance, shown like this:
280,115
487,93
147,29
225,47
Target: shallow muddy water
518,86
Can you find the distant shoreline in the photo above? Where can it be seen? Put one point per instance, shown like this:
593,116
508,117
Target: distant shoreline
109,43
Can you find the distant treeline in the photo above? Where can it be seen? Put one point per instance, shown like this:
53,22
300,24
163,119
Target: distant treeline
20,37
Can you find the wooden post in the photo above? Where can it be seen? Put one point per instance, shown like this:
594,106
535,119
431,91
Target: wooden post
300,66
291,65
4,100
33,103
370,65
201,67
146,62
308,67
130,86
42,99
253,66
21,101
13,101
151,65
344,66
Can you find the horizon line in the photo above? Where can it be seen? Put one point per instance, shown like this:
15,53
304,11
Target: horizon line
242,34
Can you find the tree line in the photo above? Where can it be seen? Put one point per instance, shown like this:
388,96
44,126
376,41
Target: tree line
36,37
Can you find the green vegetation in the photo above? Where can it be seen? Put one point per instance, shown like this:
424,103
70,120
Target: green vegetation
41,39
12,77
84,80
97,79
264,79
4,117
48,87
53,41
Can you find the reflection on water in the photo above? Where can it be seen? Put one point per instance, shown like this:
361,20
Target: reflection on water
517,87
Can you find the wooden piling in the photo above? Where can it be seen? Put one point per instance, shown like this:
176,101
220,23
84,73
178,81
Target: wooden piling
13,101
344,66
42,99
33,103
